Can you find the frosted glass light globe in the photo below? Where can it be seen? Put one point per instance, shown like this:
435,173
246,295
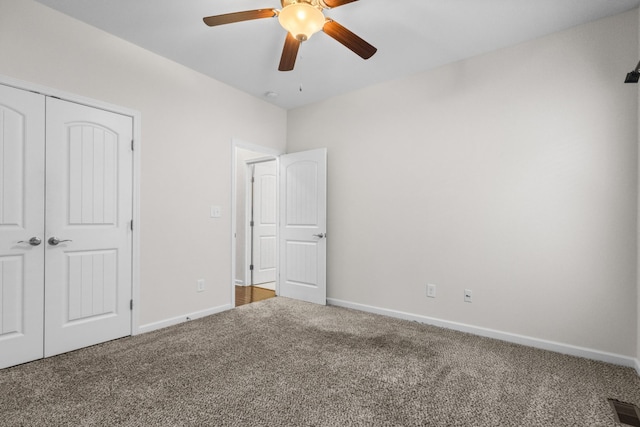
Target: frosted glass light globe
302,20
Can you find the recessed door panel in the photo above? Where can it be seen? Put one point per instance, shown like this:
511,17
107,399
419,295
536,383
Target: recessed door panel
267,253
92,279
21,220
11,291
93,155
302,194
12,180
302,268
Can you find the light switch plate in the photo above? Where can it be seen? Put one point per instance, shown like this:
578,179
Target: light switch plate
216,211
468,295
431,290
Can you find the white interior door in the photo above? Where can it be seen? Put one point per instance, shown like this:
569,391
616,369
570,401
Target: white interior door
88,209
21,219
264,222
303,226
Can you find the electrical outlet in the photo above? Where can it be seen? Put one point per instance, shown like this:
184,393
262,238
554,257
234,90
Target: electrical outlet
200,285
431,290
216,211
468,295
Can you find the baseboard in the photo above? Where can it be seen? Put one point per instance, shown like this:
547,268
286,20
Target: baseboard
239,282
181,319
492,333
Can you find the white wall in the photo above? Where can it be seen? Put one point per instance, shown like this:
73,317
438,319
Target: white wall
188,121
513,174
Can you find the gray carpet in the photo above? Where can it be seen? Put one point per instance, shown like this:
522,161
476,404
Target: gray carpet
282,362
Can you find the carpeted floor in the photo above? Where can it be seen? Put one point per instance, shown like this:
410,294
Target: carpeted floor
282,362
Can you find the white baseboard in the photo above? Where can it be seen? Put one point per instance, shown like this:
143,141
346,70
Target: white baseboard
503,336
181,319
239,282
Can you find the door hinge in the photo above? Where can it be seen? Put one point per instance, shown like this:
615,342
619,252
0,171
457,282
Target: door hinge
131,225
251,223
132,145
131,305
251,267
253,180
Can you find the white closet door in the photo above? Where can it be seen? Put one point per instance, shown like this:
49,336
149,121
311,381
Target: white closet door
21,219
88,209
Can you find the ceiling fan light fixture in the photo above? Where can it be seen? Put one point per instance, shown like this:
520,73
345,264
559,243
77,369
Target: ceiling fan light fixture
302,20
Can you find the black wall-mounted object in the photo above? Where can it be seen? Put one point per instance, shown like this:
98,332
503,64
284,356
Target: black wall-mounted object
633,76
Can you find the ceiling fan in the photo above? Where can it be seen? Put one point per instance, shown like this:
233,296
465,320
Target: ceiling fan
301,19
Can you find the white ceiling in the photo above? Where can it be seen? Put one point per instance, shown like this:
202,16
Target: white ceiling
411,36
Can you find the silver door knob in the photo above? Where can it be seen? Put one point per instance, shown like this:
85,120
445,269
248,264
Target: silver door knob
54,241
321,235
34,241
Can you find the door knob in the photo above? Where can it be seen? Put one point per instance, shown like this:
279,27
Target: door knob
54,241
321,235
34,241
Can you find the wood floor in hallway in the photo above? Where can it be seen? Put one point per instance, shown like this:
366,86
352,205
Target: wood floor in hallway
249,294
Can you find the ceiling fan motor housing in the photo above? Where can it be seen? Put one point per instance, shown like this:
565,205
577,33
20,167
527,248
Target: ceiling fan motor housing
320,4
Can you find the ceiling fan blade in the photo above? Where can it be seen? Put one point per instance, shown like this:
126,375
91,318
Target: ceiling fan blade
360,47
336,3
229,18
289,53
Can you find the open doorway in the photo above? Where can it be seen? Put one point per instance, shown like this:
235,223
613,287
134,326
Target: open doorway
260,218
256,212
260,245
300,253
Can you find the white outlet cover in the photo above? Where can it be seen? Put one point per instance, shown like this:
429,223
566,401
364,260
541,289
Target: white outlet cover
216,211
468,295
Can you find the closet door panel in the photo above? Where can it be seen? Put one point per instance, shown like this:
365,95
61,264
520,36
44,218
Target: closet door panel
21,225
89,209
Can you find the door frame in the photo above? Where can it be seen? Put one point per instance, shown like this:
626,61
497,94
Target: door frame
269,153
137,136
